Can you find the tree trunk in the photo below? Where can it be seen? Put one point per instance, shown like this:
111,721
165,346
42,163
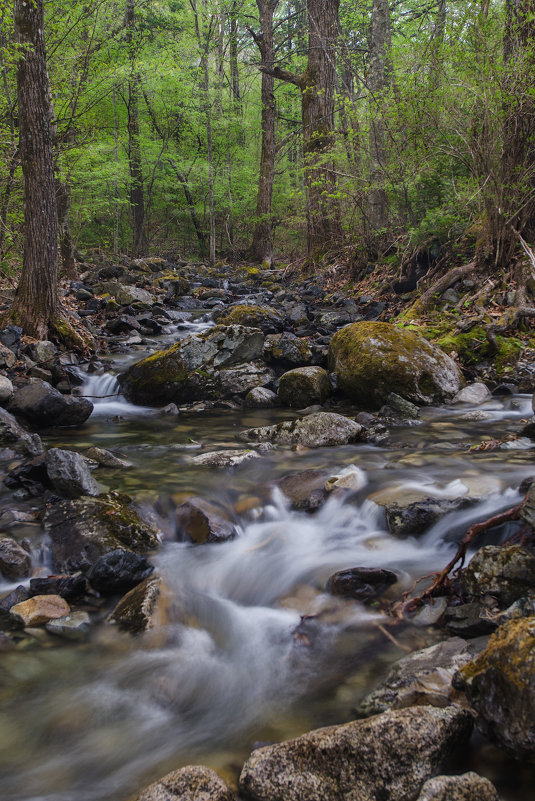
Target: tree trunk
379,71
262,244
66,247
137,198
36,303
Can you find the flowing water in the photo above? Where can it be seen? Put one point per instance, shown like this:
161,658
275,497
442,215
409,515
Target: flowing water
233,661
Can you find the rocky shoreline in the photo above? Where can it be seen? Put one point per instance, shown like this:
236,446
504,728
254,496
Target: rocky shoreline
266,344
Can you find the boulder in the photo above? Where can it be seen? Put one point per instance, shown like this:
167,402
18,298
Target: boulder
506,572
241,379
126,295
373,359
138,610
228,458
389,756
193,783
399,408
45,407
418,516
423,677
304,386
361,583
83,529
305,490
69,474
119,571
6,389
69,587
15,562
500,685
190,370
12,434
474,394
40,609
468,787
287,349
319,430
200,521
268,320
260,398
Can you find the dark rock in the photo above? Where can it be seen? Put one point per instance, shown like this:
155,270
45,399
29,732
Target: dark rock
362,583
304,386
69,474
192,783
17,596
388,756
10,337
469,620
417,517
84,529
500,685
122,324
287,349
506,572
30,476
468,787
399,408
12,434
45,407
201,521
15,562
137,611
118,571
69,587
305,490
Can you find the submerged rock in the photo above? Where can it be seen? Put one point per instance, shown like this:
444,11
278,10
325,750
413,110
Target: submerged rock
191,369
305,490
106,458
372,359
201,521
362,583
303,387
84,529
468,787
75,626
45,407
192,783
388,756
500,685
319,430
227,458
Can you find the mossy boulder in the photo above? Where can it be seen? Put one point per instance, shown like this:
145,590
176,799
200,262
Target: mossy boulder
270,321
304,386
287,349
84,529
500,685
505,572
374,359
191,369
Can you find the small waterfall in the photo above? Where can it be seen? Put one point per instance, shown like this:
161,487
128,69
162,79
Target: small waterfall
104,393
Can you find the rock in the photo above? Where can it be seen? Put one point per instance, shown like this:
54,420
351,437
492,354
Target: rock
118,571
15,562
500,685
417,517
6,389
469,620
69,587
303,387
371,358
7,357
12,434
229,458
190,369
137,611
40,609
193,783
29,477
388,756
305,490
69,474
44,352
107,458
241,379
201,521
423,677
361,583
75,626
399,408
84,529
10,337
269,320
16,596
45,407
506,572
126,295
474,393
260,398
287,349
468,787
319,430
430,613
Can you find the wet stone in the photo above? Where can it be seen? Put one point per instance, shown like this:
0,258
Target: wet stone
228,458
362,583
69,474
469,620
75,626
137,611
69,587
15,562
260,398
119,571
106,458
201,521
40,609
305,490
45,407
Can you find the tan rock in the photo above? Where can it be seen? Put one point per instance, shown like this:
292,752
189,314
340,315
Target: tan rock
40,609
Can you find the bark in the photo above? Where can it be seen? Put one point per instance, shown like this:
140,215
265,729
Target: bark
262,244
379,72
36,303
137,195
66,247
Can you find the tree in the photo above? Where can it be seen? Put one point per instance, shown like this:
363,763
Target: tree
377,82
36,304
137,198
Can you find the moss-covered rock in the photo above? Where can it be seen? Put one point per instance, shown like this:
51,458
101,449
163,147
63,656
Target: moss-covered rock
374,359
287,349
138,610
191,369
507,573
270,321
304,386
500,685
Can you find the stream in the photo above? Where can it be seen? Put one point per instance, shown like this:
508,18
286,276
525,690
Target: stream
231,663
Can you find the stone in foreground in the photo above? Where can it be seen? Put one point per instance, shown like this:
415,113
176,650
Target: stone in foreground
15,562
40,609
193,783
69,473
468,787
45,407
319,430
373,359
388,756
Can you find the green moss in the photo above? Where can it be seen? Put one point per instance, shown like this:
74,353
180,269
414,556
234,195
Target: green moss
510,650
250,316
